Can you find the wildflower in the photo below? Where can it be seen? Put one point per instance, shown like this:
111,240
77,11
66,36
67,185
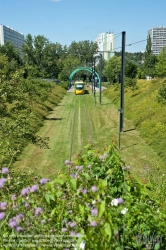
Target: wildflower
34,188
2,182
13,197
5,171
19,229
2,216
64,229
24,191
124,210
128,167
93,202
72,224
93,223
72,233
101,157
85,191
43,181
26,205
77,167
78,234
74,176
43,221
120,200
89,166
82,245
114,202
38,211
94,211
67,162
12,223
70,211
105,155
94,188
3,205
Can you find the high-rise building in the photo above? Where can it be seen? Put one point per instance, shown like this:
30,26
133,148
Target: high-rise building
158,39
105,43
9,34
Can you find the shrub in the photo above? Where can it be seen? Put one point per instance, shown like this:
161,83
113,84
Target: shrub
161,97
96,205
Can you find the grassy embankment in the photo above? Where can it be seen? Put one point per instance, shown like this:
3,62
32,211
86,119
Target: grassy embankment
147,116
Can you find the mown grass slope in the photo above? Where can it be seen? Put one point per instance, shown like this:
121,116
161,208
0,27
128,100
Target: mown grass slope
146,113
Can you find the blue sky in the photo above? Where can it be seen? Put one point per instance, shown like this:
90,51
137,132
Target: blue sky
64,21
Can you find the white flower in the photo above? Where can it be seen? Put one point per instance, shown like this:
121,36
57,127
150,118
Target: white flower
114,202
93,202
124,210
81,247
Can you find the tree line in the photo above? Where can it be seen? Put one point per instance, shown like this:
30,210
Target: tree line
44,59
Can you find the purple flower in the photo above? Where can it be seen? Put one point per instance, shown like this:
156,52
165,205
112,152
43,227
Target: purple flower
43,221
128,167
89,166
74,176
72,233
24,191
94,188
77,167
72,224
43,181
64,229
38,210
2,182
93,223
12,223
105,155
67,162
78,234
85,191
5,171
101,157
94,211
2,216
26,205
19,229
70,211
3,205
34,188
13,197
120,200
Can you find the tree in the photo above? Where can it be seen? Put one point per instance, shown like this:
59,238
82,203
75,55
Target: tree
150,59
161,63
131,70
70,63
112,69
84,50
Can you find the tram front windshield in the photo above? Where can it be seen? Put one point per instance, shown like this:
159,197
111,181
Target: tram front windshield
79,86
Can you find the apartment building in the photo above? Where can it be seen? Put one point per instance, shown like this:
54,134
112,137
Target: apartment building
9,34
158,39
105,43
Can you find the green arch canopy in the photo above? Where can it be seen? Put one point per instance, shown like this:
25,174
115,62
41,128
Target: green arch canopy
83,68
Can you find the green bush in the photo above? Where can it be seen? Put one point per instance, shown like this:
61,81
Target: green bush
161,97
96,205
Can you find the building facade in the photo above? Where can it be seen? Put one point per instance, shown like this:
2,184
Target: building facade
105,43
9,34
158,39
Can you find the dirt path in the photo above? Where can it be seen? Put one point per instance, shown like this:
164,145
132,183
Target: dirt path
104,125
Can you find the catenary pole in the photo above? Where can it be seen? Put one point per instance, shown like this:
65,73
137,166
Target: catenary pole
100,75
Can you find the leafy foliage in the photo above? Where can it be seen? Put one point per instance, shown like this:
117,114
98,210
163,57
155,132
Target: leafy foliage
161,97
97,197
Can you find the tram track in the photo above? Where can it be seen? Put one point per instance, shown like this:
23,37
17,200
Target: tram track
81,121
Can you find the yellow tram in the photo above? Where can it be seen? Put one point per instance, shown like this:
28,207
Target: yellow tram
79,87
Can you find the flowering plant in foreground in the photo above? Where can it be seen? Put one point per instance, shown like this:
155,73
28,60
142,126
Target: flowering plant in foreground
97,206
